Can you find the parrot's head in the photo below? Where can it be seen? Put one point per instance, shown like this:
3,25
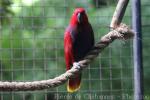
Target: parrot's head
79,16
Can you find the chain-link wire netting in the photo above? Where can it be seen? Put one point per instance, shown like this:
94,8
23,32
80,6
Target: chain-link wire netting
31,48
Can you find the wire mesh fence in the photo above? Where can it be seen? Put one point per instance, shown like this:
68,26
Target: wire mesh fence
31,48
145,5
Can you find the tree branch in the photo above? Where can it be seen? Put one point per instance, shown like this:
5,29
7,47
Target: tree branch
119,13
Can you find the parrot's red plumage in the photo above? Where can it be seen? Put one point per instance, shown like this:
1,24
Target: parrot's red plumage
78,41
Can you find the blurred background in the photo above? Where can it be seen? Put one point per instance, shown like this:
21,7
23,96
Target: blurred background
31,48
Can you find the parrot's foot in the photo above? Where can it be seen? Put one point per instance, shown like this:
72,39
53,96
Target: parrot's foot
76,65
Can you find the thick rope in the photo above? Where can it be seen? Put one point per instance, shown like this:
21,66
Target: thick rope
121,32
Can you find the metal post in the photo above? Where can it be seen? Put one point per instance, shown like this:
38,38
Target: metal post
137,50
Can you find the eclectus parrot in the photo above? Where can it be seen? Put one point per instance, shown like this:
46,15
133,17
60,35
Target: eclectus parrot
78,41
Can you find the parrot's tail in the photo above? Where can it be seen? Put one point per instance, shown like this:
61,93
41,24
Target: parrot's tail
74,84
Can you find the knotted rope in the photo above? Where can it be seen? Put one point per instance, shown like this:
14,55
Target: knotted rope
121,32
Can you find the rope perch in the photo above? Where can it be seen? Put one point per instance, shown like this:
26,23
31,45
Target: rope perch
121,32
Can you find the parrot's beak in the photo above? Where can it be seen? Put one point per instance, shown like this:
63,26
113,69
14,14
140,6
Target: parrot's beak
79,17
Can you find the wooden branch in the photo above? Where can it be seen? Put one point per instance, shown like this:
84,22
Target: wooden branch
119,13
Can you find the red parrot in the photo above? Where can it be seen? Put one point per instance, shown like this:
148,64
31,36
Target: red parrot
78,41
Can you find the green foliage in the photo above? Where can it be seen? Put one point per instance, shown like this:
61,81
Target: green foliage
101,3
5,11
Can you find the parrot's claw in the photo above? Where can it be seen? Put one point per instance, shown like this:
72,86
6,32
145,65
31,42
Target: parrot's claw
76,65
